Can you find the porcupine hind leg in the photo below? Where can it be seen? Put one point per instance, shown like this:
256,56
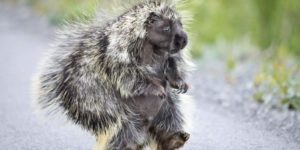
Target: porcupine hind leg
131,136
166,128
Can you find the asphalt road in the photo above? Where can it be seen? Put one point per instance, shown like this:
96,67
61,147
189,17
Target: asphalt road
213,127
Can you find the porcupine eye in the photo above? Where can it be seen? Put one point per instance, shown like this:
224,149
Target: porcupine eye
166,29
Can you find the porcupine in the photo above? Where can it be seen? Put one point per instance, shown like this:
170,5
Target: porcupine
106,77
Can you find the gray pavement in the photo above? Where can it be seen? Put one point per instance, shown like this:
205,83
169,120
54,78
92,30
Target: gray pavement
213,127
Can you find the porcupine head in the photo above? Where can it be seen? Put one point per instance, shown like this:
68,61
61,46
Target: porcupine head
129,31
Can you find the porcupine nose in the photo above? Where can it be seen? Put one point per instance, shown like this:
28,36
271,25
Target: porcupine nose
180,40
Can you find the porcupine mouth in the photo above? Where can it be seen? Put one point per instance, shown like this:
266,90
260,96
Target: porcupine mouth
173,51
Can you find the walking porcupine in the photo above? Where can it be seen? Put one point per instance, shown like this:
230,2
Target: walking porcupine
117,78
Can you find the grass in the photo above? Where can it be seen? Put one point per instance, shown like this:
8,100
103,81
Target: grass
278,81
62,10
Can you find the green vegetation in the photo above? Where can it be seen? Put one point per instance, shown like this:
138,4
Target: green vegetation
61,10
272,25
268,22
278,81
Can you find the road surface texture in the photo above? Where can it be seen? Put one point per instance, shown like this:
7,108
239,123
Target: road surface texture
216,124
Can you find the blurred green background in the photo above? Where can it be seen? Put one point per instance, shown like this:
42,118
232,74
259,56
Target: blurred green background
272,27
273,23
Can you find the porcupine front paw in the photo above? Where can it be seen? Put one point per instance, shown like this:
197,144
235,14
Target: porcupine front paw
179,84
157,88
